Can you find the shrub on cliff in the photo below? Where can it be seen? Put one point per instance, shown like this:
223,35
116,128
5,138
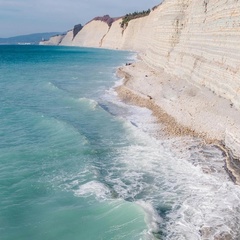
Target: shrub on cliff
128,17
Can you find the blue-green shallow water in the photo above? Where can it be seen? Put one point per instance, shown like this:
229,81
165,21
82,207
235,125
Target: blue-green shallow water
77,163
51,139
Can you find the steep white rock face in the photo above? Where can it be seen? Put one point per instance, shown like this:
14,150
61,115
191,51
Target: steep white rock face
92,34
55,40
194,40
136,35
232,139
114,38
67,39
198,41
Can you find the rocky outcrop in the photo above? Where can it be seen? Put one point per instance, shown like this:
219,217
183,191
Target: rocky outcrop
106,18
77,28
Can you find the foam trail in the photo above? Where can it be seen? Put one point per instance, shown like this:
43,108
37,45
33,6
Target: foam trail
153,220
99,190
182,180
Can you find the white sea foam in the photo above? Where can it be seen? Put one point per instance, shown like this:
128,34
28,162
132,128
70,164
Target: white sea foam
194,199
133,57
117,83
152,219
93,188
139,117
181,178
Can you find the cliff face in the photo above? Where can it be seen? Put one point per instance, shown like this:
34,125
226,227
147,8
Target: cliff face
55,40
194,40
91,35
67,39
198,41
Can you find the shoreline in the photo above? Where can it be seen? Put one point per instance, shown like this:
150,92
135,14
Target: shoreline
182,108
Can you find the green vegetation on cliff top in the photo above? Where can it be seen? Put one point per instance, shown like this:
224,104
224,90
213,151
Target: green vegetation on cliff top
130,16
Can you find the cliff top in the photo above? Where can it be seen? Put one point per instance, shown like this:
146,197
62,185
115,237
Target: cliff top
130,16
106,18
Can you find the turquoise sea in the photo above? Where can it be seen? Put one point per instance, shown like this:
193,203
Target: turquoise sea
76,163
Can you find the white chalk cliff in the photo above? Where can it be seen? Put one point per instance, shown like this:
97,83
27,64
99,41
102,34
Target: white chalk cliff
194,40
67,39
55,40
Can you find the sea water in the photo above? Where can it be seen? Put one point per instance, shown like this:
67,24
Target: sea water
77,163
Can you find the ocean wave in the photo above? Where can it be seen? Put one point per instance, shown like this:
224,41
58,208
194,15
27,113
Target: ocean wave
90,102
93,188
189,200
53,86
152,218
181,179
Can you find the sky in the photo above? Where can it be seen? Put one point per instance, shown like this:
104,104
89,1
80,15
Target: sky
19,17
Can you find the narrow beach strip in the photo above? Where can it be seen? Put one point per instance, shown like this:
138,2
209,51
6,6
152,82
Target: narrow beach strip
183,109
